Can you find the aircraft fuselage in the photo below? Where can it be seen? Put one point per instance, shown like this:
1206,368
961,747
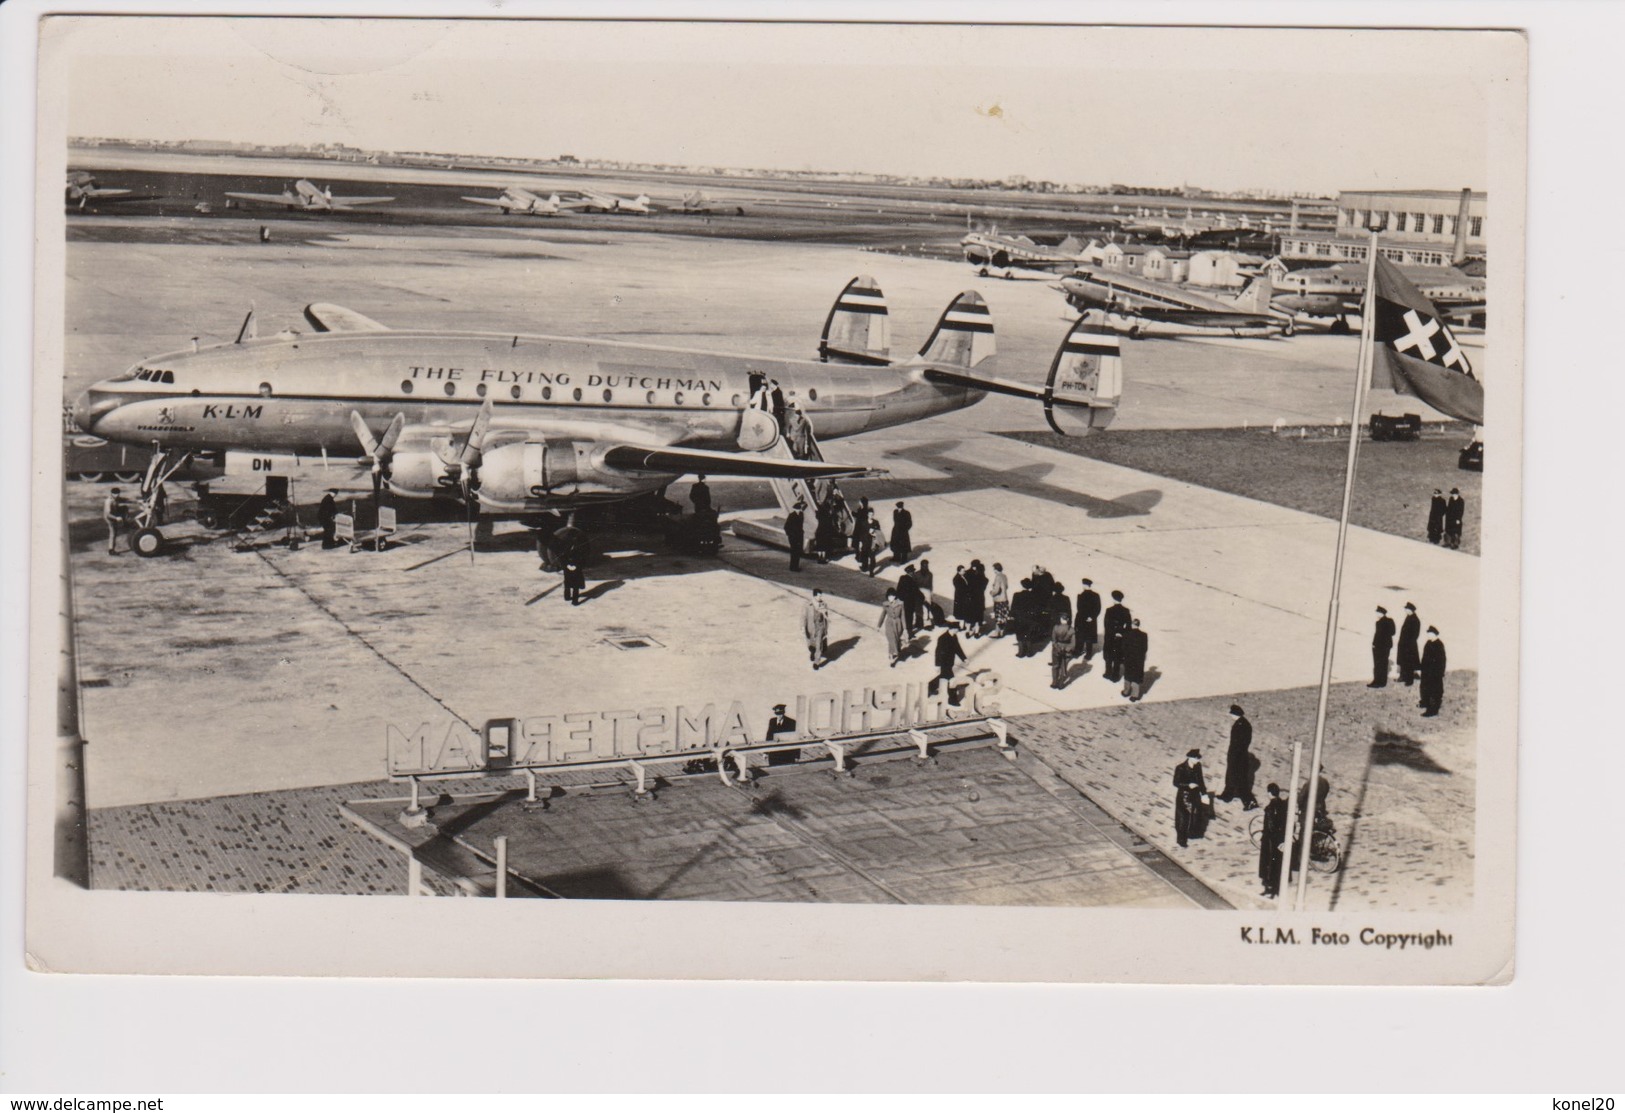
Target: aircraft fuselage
295,395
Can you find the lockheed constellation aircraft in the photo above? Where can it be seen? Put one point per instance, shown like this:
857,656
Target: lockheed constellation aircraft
518,426
303,194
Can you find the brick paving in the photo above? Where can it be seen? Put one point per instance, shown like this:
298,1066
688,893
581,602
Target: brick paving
1403,787
969,827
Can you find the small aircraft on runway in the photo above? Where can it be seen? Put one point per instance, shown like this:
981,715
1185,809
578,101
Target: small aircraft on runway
517,199
1144,307
1338,292
304,195
82,189
591,201
521,426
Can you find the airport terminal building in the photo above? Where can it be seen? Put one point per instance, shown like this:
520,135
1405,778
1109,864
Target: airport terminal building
1419,227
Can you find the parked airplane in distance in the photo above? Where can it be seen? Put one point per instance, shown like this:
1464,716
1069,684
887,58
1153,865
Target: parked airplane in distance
1144,307
517,199
82,189
1338,292
591,201
580,421
991,250
304,195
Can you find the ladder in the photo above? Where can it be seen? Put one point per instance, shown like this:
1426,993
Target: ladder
813,492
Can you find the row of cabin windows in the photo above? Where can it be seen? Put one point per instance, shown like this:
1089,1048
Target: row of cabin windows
576,395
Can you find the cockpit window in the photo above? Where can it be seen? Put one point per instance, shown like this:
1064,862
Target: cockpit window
169,376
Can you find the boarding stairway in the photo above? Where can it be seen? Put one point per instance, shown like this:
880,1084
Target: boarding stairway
802,444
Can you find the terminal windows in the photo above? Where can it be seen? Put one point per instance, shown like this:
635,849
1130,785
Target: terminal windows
1418,221
1475,226
1399,222
1438,224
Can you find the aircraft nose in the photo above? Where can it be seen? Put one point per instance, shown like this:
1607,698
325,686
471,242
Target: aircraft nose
90,407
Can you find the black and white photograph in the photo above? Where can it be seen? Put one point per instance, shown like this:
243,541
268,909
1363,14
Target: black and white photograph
1041,501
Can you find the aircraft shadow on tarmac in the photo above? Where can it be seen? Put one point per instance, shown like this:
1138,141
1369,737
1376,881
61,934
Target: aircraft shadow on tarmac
961,475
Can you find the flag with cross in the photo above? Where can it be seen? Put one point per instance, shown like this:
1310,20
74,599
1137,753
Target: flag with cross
1416,353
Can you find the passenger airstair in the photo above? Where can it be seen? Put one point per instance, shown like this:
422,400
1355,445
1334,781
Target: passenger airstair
800,444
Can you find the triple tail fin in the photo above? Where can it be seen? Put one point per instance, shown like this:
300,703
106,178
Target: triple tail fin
964,334
858,329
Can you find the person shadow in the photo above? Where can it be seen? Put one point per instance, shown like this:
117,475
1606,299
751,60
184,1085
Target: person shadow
835,650
600,589
1152,675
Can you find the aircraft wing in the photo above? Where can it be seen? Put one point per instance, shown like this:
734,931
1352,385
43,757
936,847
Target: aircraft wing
494,202
655,458
348,202
327,317
97,193
267,198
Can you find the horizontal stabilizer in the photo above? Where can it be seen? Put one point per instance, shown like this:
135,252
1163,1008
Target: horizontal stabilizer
681,461
327,317
1086,374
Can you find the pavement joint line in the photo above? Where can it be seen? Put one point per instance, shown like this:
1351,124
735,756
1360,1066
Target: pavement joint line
345,626
1136,845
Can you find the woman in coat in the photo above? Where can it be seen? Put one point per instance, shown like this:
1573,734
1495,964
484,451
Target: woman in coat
893,626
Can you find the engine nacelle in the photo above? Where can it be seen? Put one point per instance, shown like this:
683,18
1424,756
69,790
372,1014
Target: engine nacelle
419,473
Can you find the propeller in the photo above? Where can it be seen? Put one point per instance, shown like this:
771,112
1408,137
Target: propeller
463,460
377,452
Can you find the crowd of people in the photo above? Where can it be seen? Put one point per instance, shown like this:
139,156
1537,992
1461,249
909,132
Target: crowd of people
1421,664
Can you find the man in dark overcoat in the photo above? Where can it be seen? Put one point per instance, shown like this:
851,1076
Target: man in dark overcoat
1192,804
1239,762
902,544
1454,511
1382,644
1117,621
1433,665
948,651
1136,644
1088,620
1409,657
1436,510
1272,842
795,533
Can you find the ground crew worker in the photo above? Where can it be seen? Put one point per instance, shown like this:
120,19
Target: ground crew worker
116,513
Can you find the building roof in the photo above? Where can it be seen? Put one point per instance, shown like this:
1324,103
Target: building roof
1432,194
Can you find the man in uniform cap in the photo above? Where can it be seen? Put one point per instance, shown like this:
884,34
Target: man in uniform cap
1272,842
1192,804
1088,639
795,532
1436,510
1410,631
1117,626
1382,643
1454,511
779,724
1433,660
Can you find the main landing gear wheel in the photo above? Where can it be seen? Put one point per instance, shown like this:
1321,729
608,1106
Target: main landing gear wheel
127,476
147,542
89,477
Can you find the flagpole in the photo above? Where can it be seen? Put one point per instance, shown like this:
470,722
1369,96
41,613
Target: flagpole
1361,378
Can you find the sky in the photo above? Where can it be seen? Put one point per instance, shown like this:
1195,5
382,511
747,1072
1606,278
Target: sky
1224,109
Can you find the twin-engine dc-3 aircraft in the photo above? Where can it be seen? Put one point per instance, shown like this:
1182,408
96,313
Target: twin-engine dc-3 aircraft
517,199
1144,307
520,426
989,249
82,189
303,194
591,201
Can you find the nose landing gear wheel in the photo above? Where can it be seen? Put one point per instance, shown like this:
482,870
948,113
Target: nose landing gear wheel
147,542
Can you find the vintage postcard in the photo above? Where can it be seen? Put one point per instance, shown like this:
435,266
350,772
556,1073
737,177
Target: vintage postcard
776,500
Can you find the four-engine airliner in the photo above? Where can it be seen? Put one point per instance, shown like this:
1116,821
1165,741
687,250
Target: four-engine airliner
517,425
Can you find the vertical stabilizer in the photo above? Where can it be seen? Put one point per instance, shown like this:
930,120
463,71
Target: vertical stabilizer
1087,372
858,329
964,334
1255,297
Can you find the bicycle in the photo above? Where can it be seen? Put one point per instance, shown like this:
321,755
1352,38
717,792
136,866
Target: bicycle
1325,851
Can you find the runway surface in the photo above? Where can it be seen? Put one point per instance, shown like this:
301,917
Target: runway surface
218,672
